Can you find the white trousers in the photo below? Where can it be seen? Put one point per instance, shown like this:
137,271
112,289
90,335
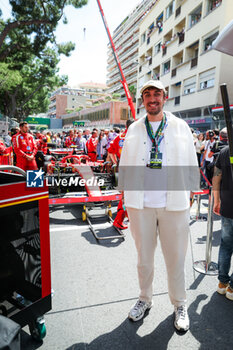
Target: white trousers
173,229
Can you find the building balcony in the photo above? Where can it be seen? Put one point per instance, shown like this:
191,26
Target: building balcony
194,62
129,52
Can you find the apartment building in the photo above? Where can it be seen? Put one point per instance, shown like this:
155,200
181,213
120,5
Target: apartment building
66,99
105,115
175,47
126,41
94,92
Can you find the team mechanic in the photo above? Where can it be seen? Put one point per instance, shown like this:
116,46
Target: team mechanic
158,152
25,148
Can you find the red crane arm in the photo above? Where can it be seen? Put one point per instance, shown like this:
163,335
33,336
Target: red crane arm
123,80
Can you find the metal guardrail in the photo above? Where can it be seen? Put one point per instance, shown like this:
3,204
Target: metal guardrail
13,168
206,266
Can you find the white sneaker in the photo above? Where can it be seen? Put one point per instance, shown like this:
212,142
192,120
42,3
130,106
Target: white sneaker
181,318
138,310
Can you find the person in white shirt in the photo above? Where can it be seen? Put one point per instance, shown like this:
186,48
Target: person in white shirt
208,156
199,145
157,159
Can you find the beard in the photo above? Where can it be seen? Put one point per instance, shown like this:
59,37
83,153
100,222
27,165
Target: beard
153,111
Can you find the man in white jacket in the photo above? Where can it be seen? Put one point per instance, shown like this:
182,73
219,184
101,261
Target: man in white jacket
158,167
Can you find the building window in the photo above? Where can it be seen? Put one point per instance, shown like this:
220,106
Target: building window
178,11
207,43
159,22
195,16
170,9
177,100
157,48
150,29
143,38
173,72
166,67
164,49
206,79
141,82
212,4
194,62
189,85
124,114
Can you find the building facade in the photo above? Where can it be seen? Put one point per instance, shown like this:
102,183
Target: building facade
175,46
126,41
106,115
94,92
64,99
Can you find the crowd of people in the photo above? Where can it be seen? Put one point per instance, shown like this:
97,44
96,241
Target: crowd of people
97,144
208,146
106,145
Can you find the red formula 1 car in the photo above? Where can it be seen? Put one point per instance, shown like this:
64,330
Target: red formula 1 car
75,179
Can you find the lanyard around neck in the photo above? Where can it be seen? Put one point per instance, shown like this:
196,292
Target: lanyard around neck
158,136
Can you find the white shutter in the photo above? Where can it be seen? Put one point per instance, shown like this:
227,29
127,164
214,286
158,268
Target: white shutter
207,75
189,82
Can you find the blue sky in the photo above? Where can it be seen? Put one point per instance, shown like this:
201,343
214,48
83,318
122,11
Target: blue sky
89,60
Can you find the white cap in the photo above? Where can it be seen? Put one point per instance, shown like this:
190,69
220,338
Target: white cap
153,83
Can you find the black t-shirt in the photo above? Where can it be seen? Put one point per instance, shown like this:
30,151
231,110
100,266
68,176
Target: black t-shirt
216,148
226,191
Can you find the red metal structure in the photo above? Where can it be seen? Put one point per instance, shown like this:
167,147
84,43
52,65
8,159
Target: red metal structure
25,272
123,80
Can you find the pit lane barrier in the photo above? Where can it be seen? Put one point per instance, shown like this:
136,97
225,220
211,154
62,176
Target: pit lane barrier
208,267
197,216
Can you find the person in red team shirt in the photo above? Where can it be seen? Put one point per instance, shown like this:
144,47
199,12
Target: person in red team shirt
2,151
91,145
114,152
41,144
70,140
25,148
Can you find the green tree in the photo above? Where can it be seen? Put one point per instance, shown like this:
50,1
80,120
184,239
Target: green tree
116,97
31,54
133,92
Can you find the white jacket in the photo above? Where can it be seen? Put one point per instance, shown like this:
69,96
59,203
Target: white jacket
181,162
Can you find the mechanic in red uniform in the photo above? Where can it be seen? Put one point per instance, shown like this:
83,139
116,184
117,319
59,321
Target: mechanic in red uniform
91,145
2,151
41,144
114,152
6,154
70,140
25,148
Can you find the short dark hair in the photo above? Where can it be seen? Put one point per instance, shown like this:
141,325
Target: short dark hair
210,133
22,123
128,123
116,129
